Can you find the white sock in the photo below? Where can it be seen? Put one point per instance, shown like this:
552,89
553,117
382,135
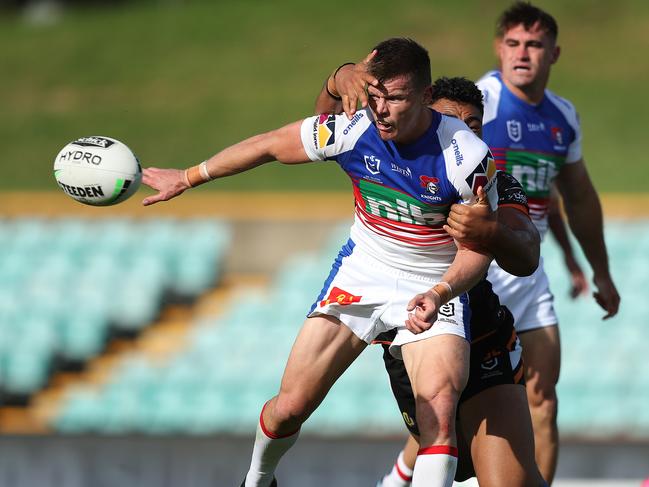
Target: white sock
435,466
399,476
266,454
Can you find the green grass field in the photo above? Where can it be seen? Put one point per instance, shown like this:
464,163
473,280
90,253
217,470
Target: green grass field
178,80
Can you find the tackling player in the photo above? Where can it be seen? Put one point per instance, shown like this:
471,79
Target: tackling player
400,269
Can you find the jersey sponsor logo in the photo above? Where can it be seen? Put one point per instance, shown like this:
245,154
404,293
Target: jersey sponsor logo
514,130
324,130
396,168
430,183
557,135
400,207
535,177
94,142
536,127
355,119
373,164
482,173
447,310
339,296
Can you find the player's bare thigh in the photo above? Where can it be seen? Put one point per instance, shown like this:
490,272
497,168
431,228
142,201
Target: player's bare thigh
322,351
498,426
438,368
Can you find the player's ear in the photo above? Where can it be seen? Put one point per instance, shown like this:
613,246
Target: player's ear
556,52
428,96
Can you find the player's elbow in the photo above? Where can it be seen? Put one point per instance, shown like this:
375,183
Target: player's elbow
522,263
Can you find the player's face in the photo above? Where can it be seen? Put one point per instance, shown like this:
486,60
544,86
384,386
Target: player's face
400,109
467,112
526,57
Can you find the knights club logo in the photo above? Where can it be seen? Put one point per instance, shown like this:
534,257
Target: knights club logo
557,135
430,183
372,163
514,130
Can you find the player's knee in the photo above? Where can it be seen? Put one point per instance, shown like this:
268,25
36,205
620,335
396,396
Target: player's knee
292,409
436,411
544,404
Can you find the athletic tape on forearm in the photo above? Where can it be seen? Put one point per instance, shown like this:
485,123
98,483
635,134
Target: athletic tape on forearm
444,290
196,175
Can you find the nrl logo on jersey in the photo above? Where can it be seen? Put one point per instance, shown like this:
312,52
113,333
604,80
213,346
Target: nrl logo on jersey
372,163
514,130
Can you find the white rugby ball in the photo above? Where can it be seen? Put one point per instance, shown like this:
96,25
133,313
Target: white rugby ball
98,171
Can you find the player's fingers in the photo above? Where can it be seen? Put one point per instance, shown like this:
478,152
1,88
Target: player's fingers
453,233
482,196
414,302
153,199
411,326
369,57
347,108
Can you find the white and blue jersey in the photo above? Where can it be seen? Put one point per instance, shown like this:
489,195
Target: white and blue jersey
531,142
403,192
398,247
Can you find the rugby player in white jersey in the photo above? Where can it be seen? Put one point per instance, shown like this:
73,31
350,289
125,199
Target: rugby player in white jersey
494,426
400,269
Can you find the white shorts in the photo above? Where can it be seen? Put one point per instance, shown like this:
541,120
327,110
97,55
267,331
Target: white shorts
370,297
528,298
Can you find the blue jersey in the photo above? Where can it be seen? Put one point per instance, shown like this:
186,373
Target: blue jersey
403,192
531,142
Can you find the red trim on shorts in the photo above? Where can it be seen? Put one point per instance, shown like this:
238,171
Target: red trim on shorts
406,478
267,432
438,450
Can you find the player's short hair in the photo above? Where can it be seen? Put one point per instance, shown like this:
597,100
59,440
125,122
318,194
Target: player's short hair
458,89
527,14
401,56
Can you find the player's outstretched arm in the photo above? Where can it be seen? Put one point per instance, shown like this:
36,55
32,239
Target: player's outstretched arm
346,87
585,218
556,223
283,145
507,233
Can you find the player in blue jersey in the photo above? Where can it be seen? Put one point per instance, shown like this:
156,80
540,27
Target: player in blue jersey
494,426
399,270
535,136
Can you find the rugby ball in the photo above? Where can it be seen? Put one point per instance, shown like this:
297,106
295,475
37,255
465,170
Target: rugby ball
97,170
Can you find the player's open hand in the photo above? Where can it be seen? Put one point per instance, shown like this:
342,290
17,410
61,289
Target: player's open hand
351,84
472,225
169,183
606,295
422,311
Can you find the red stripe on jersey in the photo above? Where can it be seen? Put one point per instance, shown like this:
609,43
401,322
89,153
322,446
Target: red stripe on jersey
419,242
438,450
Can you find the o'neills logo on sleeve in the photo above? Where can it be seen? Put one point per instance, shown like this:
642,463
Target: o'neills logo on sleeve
341,297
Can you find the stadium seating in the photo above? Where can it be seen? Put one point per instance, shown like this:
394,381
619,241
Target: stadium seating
66,285
233,362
